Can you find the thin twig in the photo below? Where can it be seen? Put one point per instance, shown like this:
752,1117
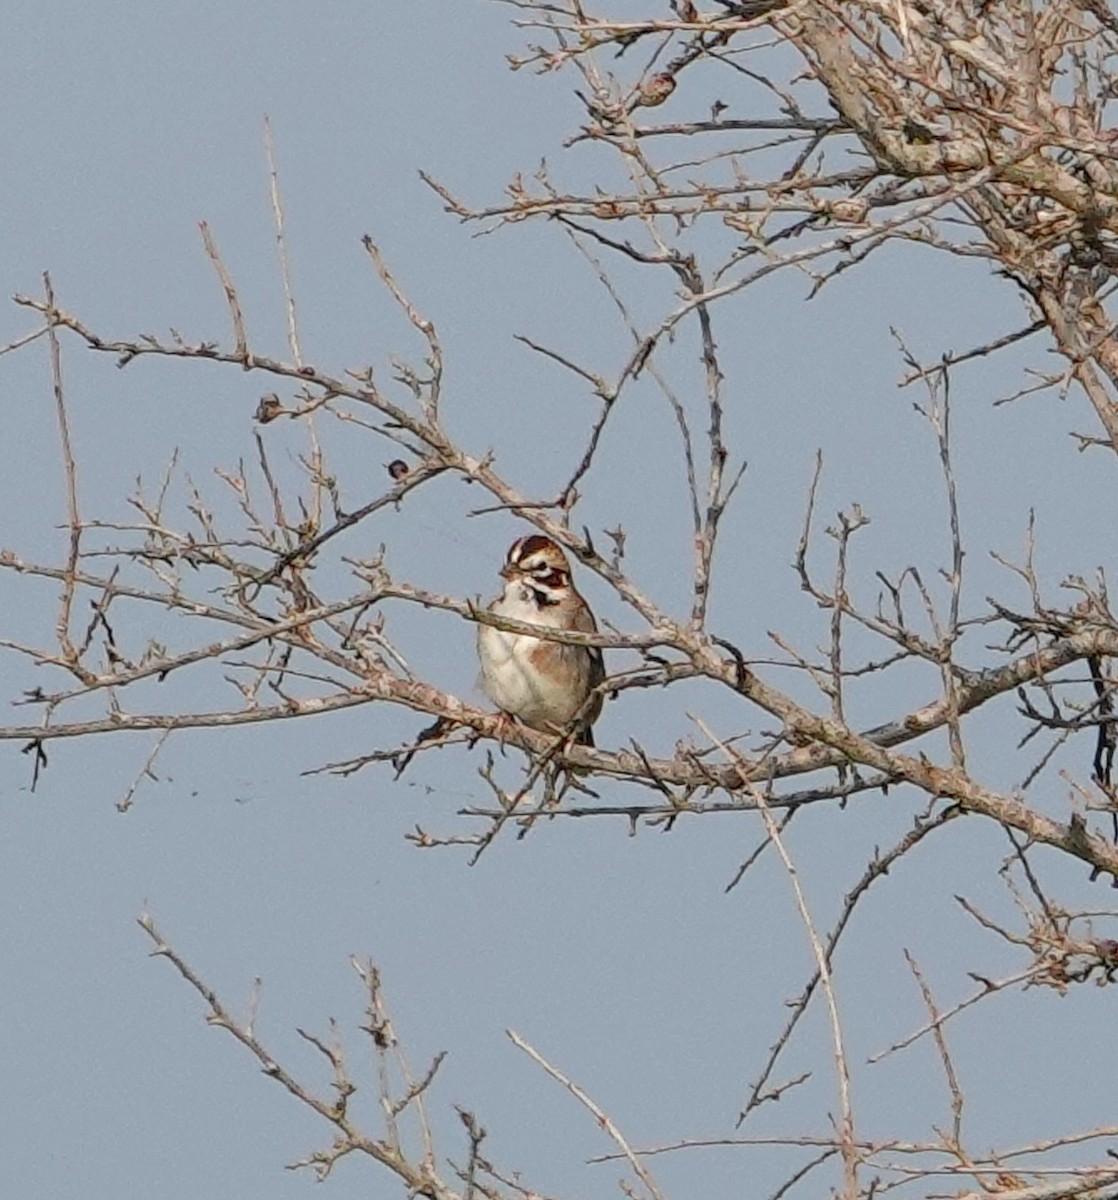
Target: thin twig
241,353
281,244
600,1115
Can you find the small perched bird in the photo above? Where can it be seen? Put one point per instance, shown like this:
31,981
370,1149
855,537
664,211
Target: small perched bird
544,684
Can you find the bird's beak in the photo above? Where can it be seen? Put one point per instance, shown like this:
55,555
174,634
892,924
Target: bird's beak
507,572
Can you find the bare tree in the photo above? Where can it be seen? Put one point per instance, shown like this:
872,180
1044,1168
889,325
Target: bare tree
976,130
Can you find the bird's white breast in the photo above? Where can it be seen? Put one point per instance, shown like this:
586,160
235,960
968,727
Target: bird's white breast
511,679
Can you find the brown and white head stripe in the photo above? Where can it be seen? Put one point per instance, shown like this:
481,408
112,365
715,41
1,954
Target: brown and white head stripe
538,563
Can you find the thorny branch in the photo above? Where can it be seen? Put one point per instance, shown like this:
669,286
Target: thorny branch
419,1172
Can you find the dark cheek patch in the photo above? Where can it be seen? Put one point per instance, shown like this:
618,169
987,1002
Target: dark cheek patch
554,579
545,588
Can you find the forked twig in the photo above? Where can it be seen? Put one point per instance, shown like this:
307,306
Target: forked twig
231,298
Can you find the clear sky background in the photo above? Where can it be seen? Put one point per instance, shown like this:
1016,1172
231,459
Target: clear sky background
621,959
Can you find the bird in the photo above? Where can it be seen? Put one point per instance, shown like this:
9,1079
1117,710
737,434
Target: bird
549,686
